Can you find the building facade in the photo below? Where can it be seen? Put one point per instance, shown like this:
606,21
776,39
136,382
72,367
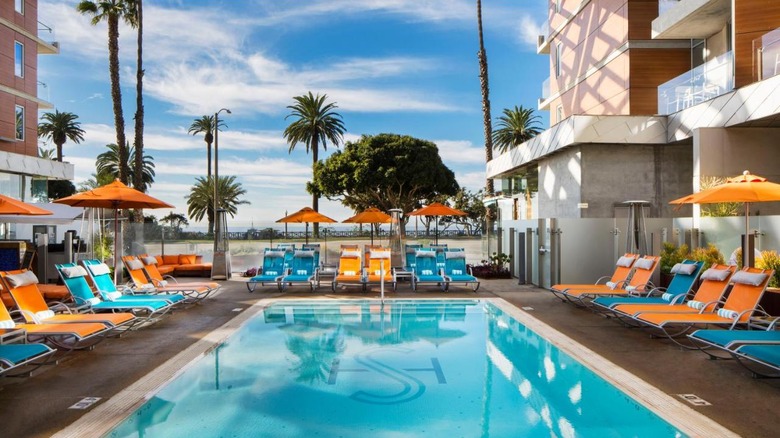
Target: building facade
23,174
647,100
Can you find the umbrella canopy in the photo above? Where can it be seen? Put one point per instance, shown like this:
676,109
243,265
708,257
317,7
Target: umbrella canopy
306,215
116,196
13,206
370,215
437,209
745,188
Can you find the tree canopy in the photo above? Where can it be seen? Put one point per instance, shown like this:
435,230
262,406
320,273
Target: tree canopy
384,171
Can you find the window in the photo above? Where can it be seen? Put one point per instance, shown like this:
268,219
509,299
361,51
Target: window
559,114
19,6
19,122
558,56
19,59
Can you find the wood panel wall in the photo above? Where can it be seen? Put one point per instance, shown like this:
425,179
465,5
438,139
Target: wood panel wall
650,68
641,14
752,19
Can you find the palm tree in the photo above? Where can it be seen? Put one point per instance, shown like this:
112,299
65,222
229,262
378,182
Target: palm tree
205,125
200,202
108,163
96,180
59,127
135,11
111,11
483,82
515,127
316,123
46,154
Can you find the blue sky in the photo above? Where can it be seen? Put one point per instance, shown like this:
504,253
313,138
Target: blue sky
399,66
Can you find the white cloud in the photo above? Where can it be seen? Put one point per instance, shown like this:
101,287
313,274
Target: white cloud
529,29
460,152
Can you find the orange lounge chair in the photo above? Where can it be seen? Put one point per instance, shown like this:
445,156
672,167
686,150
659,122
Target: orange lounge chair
637,285
350,270
135,268
379,257
741,303
622,271
23,287
714,282
158,279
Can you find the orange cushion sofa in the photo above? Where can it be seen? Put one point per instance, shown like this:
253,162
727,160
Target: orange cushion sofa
186,265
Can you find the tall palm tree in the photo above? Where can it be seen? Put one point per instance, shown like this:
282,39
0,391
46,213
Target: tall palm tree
108,163
59,127
205,126
315,123
111,11
485,88
200,202
135,13
516,126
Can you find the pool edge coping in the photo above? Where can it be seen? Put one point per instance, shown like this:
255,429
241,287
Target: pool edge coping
99,421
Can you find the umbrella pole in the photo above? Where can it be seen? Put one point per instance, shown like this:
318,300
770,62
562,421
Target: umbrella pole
116,243
746,249
306,233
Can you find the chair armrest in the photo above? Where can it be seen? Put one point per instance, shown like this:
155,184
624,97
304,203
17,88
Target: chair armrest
603,278
59,305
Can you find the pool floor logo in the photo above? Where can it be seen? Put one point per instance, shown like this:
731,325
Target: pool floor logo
405,379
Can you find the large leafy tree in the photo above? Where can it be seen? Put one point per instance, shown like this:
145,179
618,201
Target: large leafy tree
112,11
60,127
515,127
205,126
200,201
175,221
107,163
316,122
472,205
385,171
485,89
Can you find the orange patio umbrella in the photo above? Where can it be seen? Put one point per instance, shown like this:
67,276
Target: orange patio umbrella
371,215
745,188
115,196
437,209
306,215
10,205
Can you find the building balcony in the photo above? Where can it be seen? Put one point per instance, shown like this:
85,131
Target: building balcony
46,41
705,82
544,101
690,19
766,56
542,41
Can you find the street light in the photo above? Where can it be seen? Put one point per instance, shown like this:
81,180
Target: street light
217,271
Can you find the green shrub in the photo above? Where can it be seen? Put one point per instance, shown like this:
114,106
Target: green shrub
770,260
709,255
671,255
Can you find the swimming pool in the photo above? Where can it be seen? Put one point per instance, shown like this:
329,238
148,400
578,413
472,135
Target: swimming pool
405,368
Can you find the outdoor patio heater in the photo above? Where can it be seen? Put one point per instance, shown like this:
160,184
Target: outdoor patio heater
220,266
395,240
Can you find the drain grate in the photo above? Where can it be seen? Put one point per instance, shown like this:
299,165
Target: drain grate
85,402
527,308
694,399
237,309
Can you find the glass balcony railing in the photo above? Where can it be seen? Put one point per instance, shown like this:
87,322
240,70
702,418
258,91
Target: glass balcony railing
705,82
665,5
766,50
546,89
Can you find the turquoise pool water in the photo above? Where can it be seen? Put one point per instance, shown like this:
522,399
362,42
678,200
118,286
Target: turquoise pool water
405,369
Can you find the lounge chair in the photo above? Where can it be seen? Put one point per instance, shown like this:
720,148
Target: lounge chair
440,249
409,256
729,340
75,279
681,285
313,247
23,356
100,274
158,279
765,355
141,284
303,270
22,284
713,285
379,267
741,303
350,269
623,268
425,270
273,270
456,271
71,336
639,284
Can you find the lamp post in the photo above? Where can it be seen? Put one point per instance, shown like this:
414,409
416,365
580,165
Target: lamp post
218,272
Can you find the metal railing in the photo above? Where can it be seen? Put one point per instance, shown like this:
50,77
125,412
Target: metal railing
705,82
766,55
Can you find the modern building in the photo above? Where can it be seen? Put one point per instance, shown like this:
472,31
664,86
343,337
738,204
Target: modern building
23,174
647,100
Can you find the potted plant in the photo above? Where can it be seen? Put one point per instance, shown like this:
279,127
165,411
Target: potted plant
494,267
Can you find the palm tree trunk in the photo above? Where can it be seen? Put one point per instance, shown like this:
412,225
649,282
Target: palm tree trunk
315,198
208,155
59,152
116,94
139,110
483,81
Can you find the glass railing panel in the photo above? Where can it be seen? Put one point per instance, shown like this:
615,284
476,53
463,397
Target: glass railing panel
766,50
665,5
705,82
546,88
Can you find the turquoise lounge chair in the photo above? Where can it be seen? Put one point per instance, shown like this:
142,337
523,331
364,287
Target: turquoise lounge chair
729,341
303,270
766,355
409,256
440,249
75,280
426,271
456,271
105,287
273,270
685,275
16,356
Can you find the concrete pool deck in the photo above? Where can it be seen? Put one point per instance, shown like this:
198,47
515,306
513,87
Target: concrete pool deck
39,405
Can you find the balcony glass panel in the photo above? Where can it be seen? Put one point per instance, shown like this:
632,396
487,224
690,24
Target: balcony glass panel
665,5
546,88
767,55
704,82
